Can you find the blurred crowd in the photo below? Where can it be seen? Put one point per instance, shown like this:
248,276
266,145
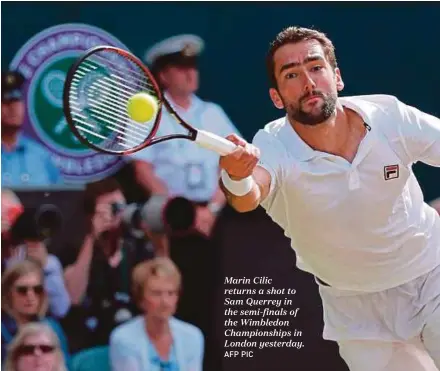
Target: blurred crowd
137,291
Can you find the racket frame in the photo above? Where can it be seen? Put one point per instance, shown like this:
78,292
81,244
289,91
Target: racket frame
150,139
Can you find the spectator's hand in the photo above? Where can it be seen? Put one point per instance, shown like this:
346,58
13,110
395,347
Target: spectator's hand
159,240
103,220
240,163
205,220
38,252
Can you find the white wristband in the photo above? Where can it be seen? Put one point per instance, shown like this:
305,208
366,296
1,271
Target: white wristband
237,187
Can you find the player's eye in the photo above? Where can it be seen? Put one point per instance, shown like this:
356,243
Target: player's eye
317,68
291,75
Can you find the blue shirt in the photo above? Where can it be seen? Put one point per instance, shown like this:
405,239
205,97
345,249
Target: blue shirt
59,299
169,365
28,164
131,348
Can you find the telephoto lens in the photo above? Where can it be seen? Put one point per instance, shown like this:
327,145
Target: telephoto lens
160,214
37,223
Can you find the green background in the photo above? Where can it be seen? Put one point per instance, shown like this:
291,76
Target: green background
50,115
381,47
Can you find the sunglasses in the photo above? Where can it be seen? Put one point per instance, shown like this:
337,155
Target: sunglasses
30,349
23,290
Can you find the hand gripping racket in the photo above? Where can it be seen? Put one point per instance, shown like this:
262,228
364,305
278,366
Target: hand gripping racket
97,91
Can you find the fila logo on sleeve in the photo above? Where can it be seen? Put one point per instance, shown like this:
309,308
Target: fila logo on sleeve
391,172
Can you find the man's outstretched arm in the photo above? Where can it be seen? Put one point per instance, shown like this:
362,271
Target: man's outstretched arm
244,183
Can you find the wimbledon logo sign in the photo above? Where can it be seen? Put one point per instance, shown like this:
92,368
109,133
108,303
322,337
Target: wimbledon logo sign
44,61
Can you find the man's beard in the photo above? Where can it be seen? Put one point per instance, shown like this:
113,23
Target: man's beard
327,109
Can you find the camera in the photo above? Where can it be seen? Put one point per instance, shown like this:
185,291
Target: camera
36,223
160,214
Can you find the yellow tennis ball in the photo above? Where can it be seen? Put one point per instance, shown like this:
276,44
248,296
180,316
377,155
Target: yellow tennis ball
142,107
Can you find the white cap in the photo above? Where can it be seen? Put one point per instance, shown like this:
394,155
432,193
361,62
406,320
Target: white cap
188,45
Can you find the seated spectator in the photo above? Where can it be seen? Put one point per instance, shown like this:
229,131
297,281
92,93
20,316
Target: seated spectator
35,348
156,340
98,279
24,300
25,239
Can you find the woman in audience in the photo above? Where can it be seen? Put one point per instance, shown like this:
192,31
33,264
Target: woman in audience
156,340
24,300
35,348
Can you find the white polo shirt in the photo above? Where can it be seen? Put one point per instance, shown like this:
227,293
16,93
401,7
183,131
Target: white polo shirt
362,226
187,169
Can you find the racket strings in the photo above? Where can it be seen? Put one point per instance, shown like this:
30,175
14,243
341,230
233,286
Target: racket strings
141,75
121,87
99,94
108,84
111,121
113,101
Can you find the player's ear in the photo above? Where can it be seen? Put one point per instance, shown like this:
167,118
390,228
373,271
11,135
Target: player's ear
339,82
276,99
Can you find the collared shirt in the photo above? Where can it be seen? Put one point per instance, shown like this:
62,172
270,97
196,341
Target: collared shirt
161,365
363,225
187,169
131,348
59,299
28,164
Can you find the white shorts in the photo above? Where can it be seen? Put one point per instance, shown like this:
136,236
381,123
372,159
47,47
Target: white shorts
379,331
369,355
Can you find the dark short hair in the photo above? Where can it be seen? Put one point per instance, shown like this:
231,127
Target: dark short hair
293,35
97,189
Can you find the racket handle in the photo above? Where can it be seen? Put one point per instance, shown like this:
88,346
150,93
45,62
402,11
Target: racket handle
215,143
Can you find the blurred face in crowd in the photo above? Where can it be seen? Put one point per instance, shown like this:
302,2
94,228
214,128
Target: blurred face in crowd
307,85
180,80
11,209
12,114
38,353
103,208
161,295
26,295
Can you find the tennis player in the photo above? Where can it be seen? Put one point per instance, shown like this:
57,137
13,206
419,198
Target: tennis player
336,175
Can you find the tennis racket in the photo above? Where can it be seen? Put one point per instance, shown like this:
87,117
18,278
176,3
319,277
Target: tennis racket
96,93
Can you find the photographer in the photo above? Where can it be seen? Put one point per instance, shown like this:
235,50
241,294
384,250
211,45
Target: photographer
98,279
